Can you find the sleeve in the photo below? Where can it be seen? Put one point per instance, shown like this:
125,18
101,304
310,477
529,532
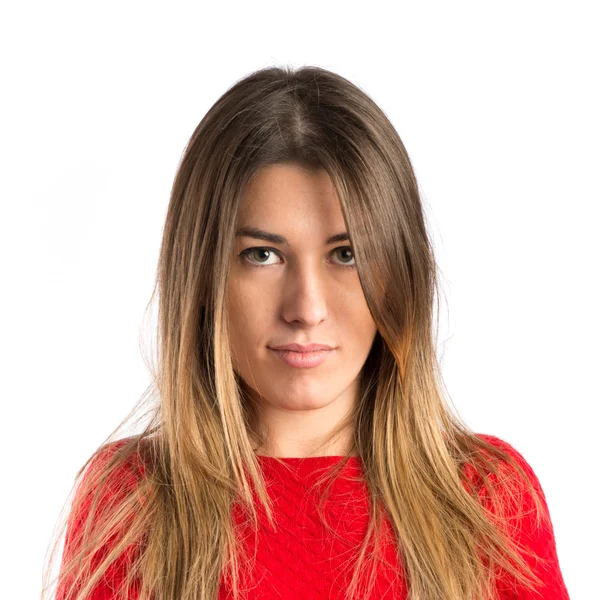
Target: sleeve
109,585
533,538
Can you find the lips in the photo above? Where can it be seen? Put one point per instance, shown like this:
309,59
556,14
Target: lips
303,360
314,347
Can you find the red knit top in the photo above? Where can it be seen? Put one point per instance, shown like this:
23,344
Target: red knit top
302,559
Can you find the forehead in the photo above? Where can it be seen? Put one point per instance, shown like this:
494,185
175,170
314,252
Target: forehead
289,189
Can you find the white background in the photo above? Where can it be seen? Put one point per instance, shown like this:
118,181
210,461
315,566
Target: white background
497,104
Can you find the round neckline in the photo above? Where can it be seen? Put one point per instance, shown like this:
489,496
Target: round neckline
324,458
307,469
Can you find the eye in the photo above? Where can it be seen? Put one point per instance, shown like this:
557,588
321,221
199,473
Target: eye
345,251
245,254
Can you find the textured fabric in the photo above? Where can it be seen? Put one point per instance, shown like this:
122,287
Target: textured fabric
303,560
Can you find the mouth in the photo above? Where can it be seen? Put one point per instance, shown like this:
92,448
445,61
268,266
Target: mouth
303,360
303,347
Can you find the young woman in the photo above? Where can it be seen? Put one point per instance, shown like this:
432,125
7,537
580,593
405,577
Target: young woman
302,446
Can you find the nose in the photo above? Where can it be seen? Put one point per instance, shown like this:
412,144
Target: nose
306,295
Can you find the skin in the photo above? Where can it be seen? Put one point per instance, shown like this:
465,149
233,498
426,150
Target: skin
303,292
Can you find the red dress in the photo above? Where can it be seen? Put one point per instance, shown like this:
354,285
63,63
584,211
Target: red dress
303,560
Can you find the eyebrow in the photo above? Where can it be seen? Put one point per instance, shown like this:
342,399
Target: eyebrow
275,238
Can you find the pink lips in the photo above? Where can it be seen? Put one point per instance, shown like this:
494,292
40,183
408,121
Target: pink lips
301,348
303,357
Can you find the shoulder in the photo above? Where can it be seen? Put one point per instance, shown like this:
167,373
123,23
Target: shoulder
514,499
503,445
507,485
107,491
107,501
512,462
109,477
122,460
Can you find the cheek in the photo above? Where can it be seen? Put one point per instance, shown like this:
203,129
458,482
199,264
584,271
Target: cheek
364,327
250,322
238,302
244,296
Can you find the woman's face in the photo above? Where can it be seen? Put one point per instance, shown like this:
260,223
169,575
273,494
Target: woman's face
299,289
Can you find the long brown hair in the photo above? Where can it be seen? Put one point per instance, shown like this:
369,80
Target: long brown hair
171,511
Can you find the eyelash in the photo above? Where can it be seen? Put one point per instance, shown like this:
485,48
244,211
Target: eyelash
244,254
